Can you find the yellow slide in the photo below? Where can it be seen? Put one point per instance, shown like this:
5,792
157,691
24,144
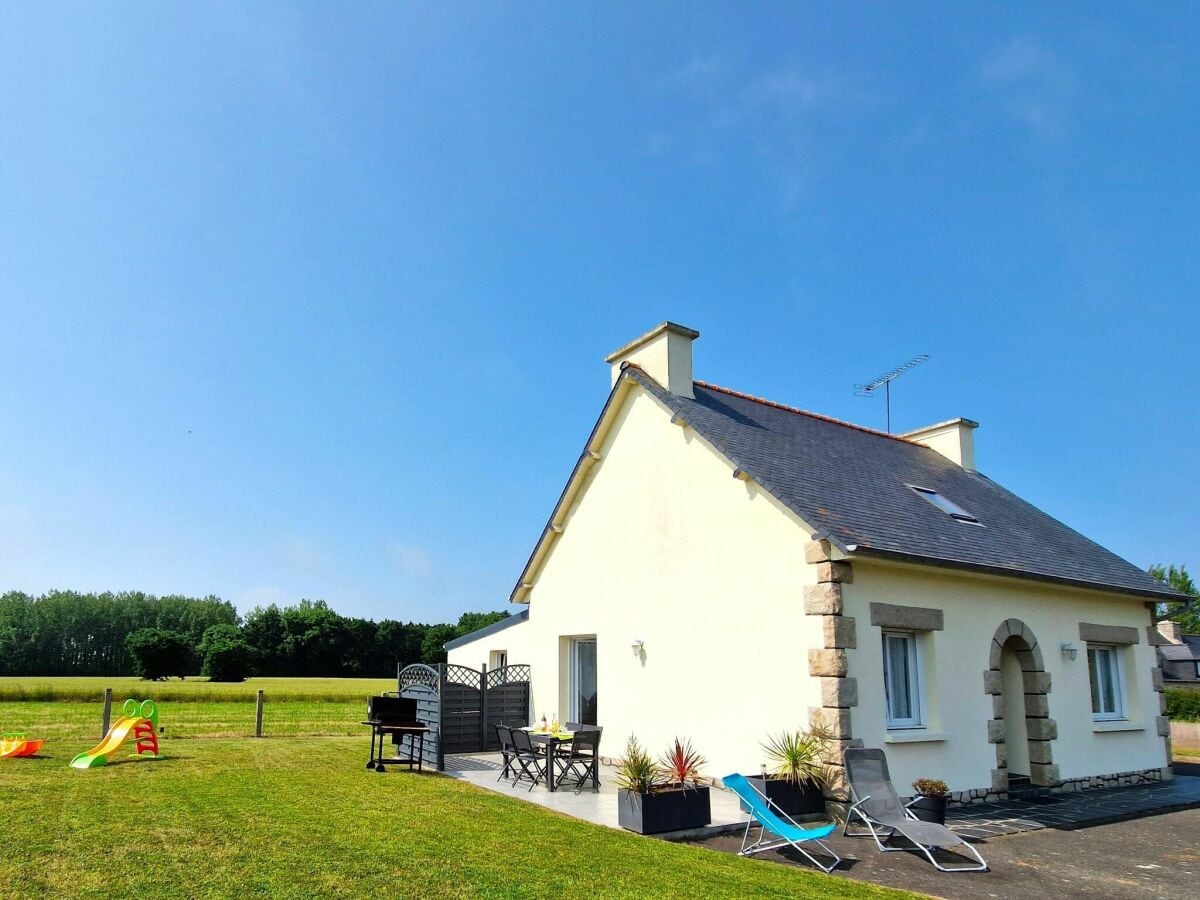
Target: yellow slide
121,731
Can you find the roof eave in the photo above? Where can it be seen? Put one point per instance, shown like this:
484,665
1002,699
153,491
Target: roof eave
589,457
1165,595
493,628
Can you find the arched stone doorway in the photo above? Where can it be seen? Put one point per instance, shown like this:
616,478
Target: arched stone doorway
1020,728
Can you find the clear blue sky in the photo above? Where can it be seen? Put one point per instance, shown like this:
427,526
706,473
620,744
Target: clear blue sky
313,300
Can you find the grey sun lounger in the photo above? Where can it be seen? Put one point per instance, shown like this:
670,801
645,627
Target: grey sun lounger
877,805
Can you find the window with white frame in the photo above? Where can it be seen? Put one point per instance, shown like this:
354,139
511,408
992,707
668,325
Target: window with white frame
497,659
902,679
1108,692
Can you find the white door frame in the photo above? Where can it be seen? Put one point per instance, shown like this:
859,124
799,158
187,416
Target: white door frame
573,711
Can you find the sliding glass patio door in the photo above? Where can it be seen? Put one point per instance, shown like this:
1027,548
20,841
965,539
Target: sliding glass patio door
582,707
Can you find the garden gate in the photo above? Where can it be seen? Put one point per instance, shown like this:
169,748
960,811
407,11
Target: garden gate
462,706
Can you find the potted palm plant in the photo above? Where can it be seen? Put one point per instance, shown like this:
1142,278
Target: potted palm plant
930,802
653,797
795,777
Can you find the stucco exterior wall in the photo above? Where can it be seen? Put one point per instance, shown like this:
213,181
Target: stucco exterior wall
476,654
957,656
667,547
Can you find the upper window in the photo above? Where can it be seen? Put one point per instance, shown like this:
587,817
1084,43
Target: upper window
497,659
902,679
946,505
1108,696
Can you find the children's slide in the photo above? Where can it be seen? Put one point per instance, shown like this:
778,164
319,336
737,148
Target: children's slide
140,722
13,745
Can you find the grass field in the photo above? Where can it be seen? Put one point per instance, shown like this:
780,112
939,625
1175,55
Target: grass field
72,709
301,817
193,690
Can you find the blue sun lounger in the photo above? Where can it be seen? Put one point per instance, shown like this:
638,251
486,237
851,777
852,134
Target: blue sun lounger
777,822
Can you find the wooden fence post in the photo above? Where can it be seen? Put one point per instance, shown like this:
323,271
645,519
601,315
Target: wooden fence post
258,714
107,711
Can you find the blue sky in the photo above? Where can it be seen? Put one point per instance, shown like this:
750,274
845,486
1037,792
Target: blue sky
313,300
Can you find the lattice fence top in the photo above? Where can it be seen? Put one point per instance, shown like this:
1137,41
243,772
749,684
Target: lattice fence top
462,675
418,673
516,674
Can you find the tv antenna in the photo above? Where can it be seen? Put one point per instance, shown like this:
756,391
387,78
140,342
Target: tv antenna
885,381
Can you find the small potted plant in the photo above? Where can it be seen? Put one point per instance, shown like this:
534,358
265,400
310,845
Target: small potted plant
930,802
795,778
654,797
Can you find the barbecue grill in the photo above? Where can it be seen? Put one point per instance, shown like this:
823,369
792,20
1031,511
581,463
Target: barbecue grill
395,716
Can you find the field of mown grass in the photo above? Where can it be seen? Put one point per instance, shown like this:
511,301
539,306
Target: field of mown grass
71,709
301,817
191,690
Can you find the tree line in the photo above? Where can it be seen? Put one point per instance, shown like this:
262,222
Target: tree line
132,633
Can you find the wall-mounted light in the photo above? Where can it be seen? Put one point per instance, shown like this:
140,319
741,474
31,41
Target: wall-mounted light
638,646
1069,650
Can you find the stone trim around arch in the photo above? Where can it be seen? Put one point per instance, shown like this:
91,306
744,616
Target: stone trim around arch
1042,730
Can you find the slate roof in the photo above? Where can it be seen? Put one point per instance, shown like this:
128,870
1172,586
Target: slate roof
1188,651
852,485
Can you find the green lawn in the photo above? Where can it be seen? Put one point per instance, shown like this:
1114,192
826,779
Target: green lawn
301,817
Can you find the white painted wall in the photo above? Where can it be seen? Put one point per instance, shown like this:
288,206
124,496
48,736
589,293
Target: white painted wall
667,547
513,640
974,608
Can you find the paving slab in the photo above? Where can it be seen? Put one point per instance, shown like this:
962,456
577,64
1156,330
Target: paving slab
598,807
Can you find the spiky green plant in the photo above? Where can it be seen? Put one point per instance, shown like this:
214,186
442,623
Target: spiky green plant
680,765
636,771
797,756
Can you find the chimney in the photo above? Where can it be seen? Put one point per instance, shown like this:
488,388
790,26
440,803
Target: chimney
954,439
1171,631
664,353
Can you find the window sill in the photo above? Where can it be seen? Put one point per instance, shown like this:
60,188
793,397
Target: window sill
914,736
1117,725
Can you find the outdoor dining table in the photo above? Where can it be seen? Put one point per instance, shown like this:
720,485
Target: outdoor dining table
552,743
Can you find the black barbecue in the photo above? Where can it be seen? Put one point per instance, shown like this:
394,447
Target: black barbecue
395,716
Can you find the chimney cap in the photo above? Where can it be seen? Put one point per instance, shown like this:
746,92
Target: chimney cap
665,327
960,421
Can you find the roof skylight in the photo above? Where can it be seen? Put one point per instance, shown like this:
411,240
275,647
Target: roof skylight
946,505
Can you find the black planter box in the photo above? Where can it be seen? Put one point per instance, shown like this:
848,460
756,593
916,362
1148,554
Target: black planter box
930,809
673,810
793,799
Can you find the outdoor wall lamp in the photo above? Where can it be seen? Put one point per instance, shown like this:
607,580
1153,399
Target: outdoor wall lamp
1069,650
638,645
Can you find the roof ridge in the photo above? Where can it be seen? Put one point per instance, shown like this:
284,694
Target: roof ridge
805,412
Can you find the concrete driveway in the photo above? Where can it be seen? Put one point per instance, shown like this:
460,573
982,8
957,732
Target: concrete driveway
1155,856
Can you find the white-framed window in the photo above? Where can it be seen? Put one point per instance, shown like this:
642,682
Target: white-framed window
902,679
497,659
1108,688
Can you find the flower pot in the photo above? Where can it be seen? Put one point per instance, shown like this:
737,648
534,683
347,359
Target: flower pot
793,799
675,809
930,809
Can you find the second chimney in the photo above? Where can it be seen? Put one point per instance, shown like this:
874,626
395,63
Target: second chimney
954,439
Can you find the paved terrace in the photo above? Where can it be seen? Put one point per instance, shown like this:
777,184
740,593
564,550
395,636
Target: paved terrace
978,822
1076,810
599,807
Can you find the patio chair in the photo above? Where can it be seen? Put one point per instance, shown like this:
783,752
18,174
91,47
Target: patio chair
507,750
582,760
876,803
777,822
532,764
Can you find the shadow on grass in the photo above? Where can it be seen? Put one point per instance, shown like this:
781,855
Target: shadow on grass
148,760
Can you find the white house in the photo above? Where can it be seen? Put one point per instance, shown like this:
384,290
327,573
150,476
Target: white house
722,567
